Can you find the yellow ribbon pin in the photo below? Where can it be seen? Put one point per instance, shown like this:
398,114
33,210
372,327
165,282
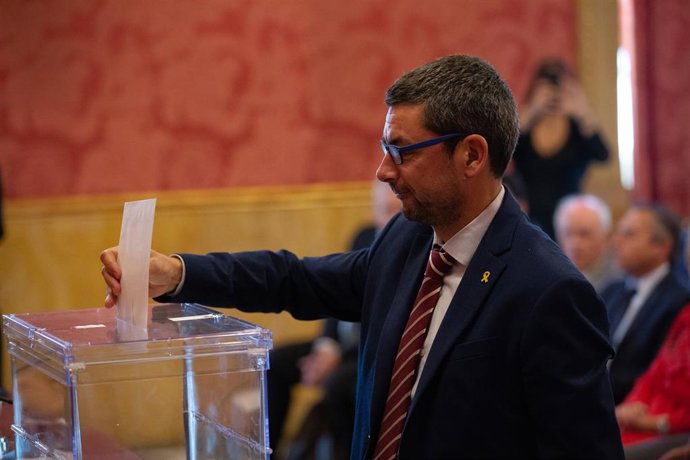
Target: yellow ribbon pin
485,277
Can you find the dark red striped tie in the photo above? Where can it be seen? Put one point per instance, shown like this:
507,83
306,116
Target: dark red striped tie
409,354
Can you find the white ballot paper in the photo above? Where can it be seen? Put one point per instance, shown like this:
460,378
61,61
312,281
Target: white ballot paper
133,257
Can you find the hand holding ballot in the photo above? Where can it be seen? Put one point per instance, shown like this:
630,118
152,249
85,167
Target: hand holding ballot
165,273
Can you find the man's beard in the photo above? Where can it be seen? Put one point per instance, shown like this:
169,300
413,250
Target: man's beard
435,215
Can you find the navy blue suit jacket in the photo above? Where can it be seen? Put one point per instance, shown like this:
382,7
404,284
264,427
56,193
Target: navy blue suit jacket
517,370
646,333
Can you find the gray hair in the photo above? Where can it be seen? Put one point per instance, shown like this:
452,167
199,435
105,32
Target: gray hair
592,202
467,95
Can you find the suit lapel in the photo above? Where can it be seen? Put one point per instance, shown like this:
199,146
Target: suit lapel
478,281
617,306
481,276
651,307
396,319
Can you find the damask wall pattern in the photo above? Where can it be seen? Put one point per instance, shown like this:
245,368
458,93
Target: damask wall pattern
118,95
662,72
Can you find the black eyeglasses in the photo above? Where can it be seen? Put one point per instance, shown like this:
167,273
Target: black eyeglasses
396,152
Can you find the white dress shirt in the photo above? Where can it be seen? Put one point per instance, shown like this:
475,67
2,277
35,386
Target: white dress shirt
644,285
461,247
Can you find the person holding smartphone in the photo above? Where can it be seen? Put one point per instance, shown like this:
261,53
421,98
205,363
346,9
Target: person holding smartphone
559,138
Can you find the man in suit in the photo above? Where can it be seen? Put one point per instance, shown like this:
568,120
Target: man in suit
513,361
583,226
642,304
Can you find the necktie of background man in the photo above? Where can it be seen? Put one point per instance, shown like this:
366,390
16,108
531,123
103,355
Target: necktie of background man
618,323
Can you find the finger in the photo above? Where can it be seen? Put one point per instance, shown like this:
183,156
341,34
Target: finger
110,300
109,260
113,284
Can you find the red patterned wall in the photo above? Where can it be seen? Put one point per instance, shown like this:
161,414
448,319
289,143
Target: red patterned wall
121,95
662,71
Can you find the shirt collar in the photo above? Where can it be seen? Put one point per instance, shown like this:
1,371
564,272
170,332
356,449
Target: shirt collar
647,282
464,243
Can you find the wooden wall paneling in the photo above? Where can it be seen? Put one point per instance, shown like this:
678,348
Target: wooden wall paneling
50,256
597,27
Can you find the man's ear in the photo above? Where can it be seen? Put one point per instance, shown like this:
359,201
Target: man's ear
475,155
666,248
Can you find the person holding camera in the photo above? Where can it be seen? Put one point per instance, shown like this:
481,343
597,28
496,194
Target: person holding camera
559,138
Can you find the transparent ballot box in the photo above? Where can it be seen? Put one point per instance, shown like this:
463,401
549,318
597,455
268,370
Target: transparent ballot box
189,386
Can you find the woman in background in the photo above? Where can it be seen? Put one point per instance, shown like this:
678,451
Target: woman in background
559,138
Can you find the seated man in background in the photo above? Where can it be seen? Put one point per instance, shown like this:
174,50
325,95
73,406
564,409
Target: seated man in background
582,224
657,410
331,359
642,304
682,260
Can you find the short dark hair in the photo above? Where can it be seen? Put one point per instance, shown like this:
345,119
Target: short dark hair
667,225
552,70
463,94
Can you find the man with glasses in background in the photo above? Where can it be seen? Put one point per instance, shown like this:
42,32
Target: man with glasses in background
479,339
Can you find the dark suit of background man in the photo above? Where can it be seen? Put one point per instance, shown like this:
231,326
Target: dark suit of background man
514,363
643,304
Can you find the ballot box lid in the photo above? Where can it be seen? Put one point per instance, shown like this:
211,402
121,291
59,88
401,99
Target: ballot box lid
77,338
